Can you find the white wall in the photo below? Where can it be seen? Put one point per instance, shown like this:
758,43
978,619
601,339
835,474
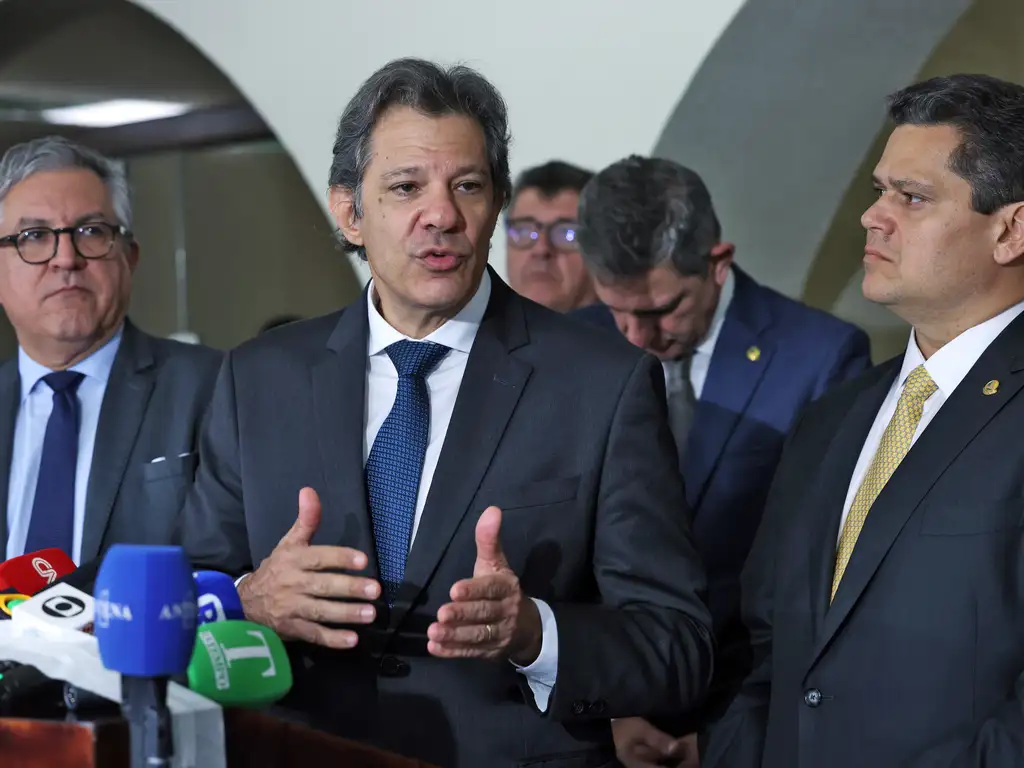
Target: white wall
586,81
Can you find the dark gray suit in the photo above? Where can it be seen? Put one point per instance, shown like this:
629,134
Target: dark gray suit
562,426
156,395
918,662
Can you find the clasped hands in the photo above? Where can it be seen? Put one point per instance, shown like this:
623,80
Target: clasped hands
296,593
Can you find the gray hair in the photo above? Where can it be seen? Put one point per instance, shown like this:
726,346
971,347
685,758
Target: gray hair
640,213
431,90
55,153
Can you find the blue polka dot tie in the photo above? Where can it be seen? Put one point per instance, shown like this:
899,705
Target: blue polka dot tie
395,463
53,509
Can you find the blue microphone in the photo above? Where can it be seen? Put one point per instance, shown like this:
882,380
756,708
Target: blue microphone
217,597
145,625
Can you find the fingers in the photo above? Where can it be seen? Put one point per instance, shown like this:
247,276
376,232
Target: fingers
327,558
311,632
337,585
489,556
638,743
468,636
496,586
307,521
334,611
476,612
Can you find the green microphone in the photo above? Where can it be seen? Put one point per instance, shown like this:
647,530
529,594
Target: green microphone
239,663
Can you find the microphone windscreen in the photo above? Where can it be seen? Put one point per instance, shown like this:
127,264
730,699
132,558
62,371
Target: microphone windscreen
145,610
239,663
35,571
217,597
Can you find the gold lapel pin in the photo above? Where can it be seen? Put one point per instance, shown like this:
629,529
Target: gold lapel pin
991,388
753,354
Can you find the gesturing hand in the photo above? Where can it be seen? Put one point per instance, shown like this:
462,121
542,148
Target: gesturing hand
291,594
489,616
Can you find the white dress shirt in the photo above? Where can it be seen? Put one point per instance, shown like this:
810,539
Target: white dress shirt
30,428
947,367
443,385
701,360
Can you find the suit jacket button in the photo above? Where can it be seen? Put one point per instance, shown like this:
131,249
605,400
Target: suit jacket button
812,697
392,666
579,707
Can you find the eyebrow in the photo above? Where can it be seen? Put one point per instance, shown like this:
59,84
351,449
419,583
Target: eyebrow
30,222
904,184
653,311
413,170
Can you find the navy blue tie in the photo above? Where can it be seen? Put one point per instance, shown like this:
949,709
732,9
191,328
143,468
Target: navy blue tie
395,463
53,510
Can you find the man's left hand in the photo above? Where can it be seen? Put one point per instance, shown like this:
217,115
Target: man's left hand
489,616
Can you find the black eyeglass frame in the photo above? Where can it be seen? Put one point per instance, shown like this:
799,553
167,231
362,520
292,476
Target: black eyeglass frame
116,230
545,229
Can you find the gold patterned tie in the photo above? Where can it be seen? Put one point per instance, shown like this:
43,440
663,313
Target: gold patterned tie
895,443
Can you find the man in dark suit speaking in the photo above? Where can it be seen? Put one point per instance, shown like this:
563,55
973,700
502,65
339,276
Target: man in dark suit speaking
885,593
488,560
98,420
740,360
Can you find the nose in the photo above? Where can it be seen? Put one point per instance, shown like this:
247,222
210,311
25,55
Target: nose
66,257
878,218
639,332
440,211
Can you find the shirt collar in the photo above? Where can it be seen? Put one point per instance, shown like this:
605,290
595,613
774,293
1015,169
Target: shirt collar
707,346
457,333
95,366
951,363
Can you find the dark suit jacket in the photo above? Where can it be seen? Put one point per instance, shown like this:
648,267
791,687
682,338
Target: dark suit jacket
561,426
740,424
156,395
917,662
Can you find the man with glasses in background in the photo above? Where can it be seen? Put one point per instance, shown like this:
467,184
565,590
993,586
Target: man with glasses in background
741,361
544,263
98,420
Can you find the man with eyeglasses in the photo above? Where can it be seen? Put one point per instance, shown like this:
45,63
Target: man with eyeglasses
544,262
98,420
741,361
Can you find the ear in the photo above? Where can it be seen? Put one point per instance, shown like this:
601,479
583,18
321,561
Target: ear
1010,243
721,261
343,208
132,256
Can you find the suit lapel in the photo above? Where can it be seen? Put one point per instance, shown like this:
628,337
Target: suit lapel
731,381
964,414
10,396
339,404
828,498
491,388
124,406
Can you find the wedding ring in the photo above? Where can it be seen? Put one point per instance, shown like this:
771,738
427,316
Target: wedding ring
490,632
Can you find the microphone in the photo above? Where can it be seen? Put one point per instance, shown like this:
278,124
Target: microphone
217,597
146,630
239,663
35,571
60,609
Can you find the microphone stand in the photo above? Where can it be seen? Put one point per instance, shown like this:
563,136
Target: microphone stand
144,705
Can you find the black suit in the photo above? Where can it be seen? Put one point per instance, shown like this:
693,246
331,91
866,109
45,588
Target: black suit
917,662
155,399
561,426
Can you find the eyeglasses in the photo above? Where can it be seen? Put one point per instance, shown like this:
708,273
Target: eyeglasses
561,234
38,245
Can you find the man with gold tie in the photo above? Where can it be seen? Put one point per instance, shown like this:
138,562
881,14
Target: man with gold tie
884,593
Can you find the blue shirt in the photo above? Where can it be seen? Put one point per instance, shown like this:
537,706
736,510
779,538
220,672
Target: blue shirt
33,413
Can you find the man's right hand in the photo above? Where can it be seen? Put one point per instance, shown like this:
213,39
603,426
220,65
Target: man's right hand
291,593
638,744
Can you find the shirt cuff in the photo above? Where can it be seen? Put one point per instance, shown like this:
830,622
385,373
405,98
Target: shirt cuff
239,579
542,673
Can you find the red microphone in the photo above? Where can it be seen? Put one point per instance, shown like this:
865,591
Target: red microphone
35,571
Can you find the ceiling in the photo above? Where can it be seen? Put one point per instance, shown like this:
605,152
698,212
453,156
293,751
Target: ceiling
60,53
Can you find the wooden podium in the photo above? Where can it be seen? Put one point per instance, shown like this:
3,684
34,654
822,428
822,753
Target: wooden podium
254,740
